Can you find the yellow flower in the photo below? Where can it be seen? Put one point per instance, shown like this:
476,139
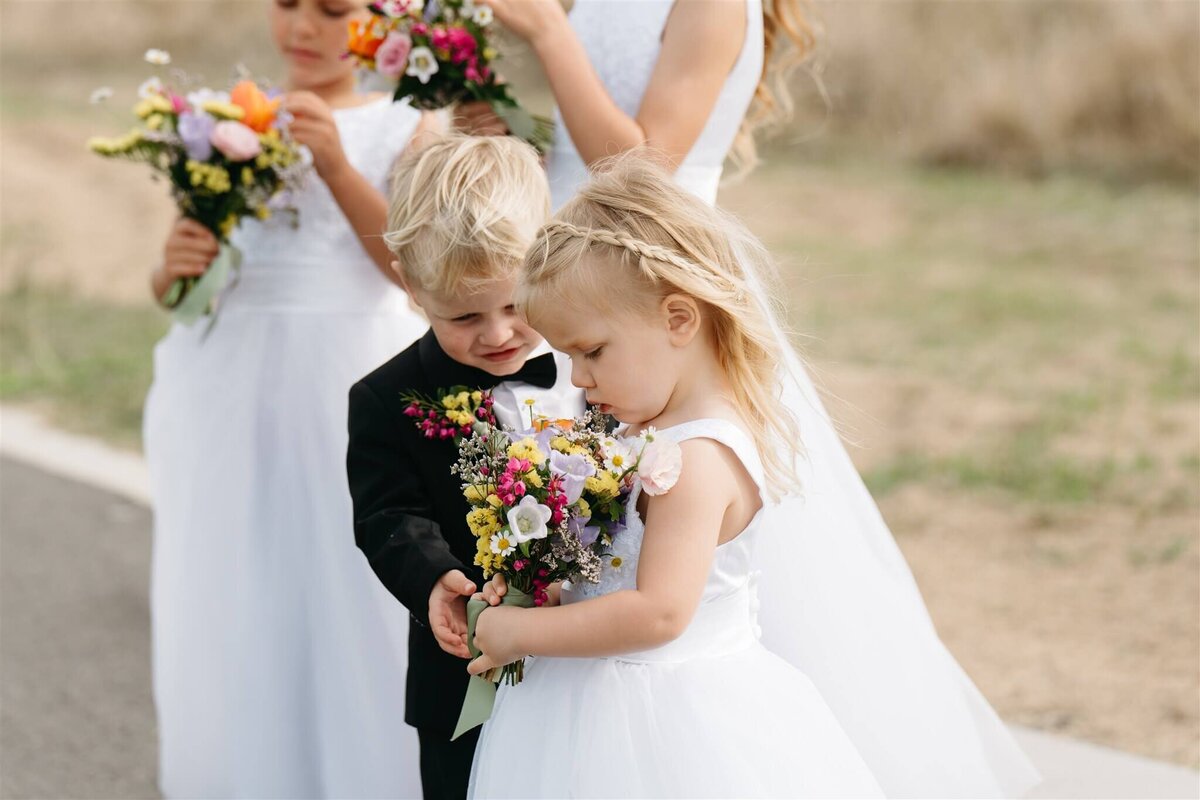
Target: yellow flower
533,479
479,492
602,484
450,401
263,213
463,399
484,557
247,176
227,225
526,449
476,396
223,110
585,510
489,53
483,522
155,122
493,500
155,104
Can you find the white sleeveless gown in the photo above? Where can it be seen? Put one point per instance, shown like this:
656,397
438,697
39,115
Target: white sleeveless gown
838,599
279,658
710,714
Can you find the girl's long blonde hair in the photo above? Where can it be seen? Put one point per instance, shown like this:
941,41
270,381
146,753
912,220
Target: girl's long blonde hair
789,38
631,237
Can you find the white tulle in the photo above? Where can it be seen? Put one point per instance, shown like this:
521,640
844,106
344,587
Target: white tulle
279,659
711,714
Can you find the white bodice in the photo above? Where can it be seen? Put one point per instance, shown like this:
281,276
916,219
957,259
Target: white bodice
622,39
321,266
726,617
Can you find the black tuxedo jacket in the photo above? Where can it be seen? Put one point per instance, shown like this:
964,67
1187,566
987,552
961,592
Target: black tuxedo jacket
410,515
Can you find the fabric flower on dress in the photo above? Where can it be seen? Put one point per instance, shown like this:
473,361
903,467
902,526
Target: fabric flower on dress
658,468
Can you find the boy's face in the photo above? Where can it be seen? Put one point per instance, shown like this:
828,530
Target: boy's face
482,329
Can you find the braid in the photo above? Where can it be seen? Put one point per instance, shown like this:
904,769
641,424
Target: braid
643,249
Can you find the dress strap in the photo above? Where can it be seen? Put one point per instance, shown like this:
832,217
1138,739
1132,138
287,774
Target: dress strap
727,433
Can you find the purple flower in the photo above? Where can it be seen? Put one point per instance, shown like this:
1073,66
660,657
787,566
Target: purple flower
587,534
574,469
195,130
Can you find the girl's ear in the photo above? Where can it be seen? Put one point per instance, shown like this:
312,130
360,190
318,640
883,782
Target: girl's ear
682,315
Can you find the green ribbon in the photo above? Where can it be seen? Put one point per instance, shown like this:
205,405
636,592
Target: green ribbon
197,301
481,692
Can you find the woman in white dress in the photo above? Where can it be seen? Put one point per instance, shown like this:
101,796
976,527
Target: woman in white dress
279,658
687,78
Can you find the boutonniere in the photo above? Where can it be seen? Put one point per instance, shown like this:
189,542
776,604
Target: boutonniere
452,413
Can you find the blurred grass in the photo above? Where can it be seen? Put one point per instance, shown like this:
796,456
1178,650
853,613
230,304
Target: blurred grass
87,363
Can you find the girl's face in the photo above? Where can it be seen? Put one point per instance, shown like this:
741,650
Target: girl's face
629,363
311,36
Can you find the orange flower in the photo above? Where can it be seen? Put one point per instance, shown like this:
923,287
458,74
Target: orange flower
260,109
541,423
364,39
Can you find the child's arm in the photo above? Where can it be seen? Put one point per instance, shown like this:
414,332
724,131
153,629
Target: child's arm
394,527
682,530
700,45
365,206
190,248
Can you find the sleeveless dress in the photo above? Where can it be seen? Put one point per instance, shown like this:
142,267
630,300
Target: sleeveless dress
839,601
711,714
279,658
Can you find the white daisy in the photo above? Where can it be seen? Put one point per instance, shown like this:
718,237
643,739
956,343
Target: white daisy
159,58
502,544
483,15
149,88
100,95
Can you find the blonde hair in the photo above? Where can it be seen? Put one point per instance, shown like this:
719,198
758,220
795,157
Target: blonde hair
463,210
632,217
789,38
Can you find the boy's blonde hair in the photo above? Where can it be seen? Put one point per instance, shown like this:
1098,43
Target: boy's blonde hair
631,237
463,210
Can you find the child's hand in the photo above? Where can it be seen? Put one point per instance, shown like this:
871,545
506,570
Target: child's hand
448,612
312,125
478,119
494,590
495,636
190,248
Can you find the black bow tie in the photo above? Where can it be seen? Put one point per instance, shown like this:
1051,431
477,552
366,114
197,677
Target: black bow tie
540,371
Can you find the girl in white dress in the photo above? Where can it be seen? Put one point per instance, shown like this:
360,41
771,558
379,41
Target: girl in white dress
652,683
279,658
693,79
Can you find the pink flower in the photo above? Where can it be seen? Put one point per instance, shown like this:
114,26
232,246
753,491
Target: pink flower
659,466
392,56
178,104
236,141
458,42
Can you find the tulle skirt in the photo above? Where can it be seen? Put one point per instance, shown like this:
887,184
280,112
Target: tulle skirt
712,714
279,658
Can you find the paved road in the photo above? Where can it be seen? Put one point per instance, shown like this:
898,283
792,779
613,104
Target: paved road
76,716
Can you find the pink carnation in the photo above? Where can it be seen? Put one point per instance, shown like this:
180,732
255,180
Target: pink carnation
236,141
392,56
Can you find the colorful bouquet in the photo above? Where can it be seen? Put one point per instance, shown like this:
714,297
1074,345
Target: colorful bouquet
437,53
546,504
227,156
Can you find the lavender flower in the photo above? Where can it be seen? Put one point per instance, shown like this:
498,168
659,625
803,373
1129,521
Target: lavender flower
195,130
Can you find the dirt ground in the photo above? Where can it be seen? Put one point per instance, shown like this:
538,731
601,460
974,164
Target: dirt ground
1041,479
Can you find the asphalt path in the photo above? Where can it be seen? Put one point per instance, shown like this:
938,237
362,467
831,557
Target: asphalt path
76,713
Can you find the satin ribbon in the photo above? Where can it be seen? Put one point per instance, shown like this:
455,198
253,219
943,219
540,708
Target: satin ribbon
481,692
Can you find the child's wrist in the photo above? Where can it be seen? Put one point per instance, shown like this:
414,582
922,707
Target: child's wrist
549,35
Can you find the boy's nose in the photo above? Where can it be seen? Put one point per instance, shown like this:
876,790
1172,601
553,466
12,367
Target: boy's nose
495,334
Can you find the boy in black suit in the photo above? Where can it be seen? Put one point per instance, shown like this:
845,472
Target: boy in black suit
463,211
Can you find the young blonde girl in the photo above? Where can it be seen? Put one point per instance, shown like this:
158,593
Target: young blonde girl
654,682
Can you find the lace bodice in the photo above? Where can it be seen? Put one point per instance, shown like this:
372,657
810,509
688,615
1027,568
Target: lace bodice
622,39
321,266
731,567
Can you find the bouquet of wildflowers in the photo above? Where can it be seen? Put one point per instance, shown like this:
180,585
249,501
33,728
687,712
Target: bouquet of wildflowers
546,504
227,156
437,53
453,415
